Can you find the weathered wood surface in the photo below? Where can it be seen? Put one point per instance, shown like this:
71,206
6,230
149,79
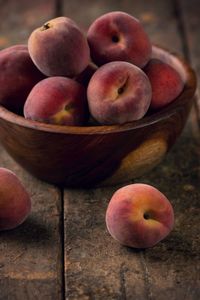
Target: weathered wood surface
190,20
21,17
95,266
31,255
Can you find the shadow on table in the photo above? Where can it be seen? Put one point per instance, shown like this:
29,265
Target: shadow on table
32,231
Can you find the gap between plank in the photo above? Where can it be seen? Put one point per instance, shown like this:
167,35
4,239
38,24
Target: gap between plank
181,28
122,282
58,8
62,235
147,279
186,52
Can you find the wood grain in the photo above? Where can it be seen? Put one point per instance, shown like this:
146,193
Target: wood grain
30,255
158,28
189,14
96,267
21,17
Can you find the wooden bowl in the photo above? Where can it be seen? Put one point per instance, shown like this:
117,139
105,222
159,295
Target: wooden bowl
106,155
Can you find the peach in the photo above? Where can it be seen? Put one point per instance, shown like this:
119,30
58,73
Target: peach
165,81
17,77
118,92
15,203
139,216
59,48
118,36
57,100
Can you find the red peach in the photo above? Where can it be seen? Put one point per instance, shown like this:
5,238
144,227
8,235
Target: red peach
118,36
118,92
59,48
165,81
17,77
15,203
57,100
139,216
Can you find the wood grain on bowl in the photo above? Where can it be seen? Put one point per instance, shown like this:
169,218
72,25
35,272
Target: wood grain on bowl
141,160
86,156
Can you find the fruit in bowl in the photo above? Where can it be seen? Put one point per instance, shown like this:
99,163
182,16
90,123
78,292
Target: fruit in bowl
165,81
54,48
118,36
107,154
18,75
118,92
57,100
122,149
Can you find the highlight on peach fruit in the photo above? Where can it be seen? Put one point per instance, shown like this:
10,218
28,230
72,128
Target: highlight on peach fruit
139,216
118,36
165,81
18,75
57,100
59,48
118,92
15,203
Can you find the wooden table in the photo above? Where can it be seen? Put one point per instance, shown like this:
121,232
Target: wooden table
63,250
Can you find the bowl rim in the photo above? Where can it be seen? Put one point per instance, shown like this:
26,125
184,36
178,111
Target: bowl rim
168,111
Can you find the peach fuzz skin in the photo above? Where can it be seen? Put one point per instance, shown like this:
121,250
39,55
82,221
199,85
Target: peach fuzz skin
165,81
17,77
118,92
15,203
118,36
57,100
59,48
139,216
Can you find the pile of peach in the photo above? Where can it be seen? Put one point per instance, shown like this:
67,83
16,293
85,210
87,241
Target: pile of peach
65,77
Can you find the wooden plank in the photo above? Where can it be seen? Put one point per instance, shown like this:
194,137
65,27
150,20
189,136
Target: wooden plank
97,267
21,17
95,263
84,12
189,12
31,261
146,11
31,255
